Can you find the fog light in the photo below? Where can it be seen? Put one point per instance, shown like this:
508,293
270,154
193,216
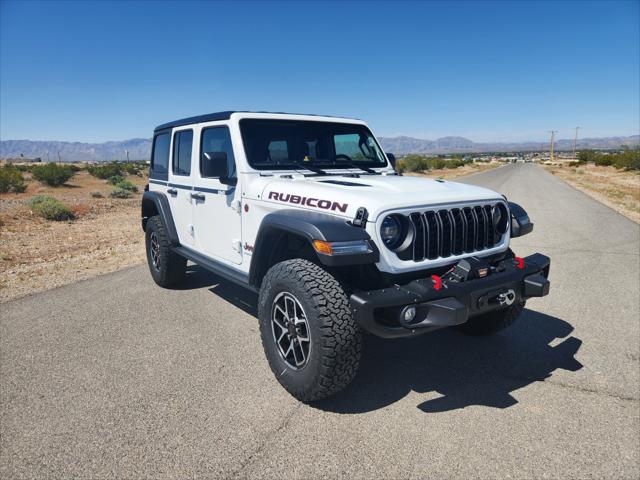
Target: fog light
409,314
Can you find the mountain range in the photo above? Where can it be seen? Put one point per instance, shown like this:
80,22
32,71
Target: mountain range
140,148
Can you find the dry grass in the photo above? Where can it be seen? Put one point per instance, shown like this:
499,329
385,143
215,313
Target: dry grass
617,189
452,173
37,254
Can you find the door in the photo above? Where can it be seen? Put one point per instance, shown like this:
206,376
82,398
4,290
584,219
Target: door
216,206
180,184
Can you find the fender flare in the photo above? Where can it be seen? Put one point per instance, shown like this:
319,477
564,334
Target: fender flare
309,226
157,203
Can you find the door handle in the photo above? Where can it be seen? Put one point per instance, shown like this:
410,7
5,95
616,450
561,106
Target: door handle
172,191
198,196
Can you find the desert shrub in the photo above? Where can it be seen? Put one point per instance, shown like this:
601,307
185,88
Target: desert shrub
105,171
11,180
53,174
134,168
50,208
627,160
127,185
120,193
115,179
96,194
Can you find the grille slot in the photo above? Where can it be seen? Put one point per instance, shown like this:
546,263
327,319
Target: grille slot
446,232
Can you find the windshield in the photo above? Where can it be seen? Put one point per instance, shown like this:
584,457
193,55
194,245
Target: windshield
280,144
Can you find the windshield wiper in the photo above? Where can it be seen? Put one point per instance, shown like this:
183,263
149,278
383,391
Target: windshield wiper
352,165
299,166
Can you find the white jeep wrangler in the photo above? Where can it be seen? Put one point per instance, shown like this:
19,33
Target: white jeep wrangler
310,212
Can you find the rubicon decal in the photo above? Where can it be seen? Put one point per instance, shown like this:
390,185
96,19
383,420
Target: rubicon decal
308,201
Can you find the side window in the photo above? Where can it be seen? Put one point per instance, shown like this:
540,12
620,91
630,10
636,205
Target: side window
217,139
182,144
160,157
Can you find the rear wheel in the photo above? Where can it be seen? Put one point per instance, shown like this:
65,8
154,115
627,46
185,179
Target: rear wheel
492,322
167,267
310,338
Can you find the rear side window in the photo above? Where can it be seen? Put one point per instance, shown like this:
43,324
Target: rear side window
182,144
160,156
218,139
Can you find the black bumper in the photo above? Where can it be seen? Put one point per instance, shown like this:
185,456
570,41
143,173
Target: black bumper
381,312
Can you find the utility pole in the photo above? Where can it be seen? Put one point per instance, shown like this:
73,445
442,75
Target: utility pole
127,151
553,134
575,141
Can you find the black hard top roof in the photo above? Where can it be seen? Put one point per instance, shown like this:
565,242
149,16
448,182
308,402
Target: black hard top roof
212,117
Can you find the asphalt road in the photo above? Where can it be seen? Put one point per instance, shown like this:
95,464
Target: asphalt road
116,378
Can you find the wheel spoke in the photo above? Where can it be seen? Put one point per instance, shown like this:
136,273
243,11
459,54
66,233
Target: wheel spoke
294,344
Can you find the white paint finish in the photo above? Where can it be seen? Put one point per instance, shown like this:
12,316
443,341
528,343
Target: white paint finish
218,226
181,202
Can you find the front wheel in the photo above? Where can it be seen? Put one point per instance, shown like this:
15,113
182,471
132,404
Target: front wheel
310,338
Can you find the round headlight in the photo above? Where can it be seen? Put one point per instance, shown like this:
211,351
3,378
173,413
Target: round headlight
500,218
391,232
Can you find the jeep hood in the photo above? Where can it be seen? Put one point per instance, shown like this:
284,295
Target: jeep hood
341,195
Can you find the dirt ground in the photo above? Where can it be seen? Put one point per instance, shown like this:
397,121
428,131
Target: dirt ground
37,254
618,189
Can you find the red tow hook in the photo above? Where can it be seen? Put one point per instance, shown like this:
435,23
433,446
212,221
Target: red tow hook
437,282
520,262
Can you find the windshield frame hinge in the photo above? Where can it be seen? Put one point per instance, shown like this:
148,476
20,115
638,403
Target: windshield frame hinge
360,220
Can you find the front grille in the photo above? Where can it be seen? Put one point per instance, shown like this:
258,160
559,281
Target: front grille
447,232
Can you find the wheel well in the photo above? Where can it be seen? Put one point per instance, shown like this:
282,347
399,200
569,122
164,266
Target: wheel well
149,209
277,246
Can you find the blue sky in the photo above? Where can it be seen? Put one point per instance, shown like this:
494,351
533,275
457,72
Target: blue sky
490,71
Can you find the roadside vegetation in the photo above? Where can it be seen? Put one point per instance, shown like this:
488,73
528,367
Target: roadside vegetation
64,222
50,208
611,178
11,180
420,163
626,160
53,174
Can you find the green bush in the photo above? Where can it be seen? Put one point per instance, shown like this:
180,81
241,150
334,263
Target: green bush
120,193
627,160
115,179
50,208
11,180
53,174
105,171
126,185
419,163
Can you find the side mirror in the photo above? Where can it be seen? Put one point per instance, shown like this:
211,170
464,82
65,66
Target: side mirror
520,222
392,160
214,165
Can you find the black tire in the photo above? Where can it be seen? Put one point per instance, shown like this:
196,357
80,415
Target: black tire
334,338
492,322
168,269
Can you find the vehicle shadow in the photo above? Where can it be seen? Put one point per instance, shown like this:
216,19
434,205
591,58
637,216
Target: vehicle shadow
197,277
463,370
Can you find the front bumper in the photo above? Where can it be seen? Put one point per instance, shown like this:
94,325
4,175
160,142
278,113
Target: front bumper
381,312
